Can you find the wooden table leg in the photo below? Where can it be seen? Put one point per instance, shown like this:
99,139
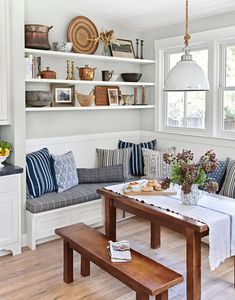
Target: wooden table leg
193,264
85,267
162,296
68,263
110,219
155,235
142,296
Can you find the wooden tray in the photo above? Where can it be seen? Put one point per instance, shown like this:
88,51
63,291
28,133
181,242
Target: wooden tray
101,94
160,193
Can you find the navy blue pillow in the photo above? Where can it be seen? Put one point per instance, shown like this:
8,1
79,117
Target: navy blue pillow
219,174
137,161
38,173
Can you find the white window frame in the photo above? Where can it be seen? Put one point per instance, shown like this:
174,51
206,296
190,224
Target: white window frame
222,87
213,40
166,127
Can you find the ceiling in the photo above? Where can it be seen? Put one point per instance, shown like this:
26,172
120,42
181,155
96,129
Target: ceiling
142,15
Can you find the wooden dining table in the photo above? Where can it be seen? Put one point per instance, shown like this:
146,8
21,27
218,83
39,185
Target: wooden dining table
192,229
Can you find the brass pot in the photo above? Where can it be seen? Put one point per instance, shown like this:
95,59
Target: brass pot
36,36
86,73
48,74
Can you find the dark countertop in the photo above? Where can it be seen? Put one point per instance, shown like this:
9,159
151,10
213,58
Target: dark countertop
9,169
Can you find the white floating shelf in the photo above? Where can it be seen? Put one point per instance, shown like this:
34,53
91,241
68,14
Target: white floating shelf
88,56
88,82
76,108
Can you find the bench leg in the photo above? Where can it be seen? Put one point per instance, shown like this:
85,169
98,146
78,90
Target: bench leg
162,296
85,267
142,296
155,235
68,263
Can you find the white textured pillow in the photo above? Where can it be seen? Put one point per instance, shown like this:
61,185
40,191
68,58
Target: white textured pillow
154,165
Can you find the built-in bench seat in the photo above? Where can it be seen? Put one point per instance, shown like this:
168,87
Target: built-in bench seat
52,210
79,194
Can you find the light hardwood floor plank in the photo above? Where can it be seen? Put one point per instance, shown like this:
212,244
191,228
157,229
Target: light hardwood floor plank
37,275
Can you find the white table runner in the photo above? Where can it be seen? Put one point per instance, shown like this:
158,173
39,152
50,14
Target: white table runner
216,211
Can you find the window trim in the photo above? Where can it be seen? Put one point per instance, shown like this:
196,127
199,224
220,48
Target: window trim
165,127
222,87
214,39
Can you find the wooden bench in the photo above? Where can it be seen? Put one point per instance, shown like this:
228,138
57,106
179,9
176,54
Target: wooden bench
145,276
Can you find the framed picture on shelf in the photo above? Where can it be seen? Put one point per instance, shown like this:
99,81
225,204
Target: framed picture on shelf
113,96
63,95
122,48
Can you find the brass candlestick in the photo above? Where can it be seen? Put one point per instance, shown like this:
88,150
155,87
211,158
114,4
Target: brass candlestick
68,70
72,71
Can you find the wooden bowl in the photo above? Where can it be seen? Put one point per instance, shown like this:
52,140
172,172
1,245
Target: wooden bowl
85,100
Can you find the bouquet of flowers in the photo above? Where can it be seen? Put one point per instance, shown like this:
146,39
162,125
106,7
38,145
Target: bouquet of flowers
187,173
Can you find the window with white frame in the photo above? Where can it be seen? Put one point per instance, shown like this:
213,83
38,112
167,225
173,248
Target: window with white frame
185,110
227,88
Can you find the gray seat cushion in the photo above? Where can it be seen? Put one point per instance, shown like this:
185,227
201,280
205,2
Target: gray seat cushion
78,194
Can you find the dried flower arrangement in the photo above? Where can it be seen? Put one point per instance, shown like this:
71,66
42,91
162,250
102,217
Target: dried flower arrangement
106,37
186,173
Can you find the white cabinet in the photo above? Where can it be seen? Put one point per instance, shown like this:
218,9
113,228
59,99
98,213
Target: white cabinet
10,229
4,63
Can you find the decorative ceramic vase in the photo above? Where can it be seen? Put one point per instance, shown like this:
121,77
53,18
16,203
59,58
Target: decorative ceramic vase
192,198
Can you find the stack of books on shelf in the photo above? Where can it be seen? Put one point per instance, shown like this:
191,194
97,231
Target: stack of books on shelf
119,251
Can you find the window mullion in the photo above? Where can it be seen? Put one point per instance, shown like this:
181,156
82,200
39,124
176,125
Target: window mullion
185,108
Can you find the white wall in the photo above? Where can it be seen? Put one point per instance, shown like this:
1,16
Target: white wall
59,13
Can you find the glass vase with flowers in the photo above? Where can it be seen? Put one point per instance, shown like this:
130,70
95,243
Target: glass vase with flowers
190,175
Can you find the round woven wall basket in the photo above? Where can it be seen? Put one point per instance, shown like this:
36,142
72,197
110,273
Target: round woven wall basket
81,32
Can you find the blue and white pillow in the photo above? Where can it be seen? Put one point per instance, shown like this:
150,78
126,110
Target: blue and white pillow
39,174
228,188
219,174
136,161
65,171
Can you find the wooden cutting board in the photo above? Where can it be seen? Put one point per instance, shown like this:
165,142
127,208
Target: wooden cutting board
159,193
101,94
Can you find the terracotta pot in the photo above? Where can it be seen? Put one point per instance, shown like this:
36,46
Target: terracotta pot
36,36
48,74
86,73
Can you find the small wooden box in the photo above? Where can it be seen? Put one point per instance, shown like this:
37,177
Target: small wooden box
101,94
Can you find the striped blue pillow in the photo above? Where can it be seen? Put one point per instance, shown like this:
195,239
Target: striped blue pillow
136,161
38,173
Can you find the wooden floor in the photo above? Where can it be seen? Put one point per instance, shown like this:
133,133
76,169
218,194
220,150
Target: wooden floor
38,274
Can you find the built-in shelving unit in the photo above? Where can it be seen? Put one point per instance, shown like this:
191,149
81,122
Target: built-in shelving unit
108,59
90,82
88,56
89,108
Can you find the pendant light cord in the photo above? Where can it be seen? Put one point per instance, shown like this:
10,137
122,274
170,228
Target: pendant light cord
187,36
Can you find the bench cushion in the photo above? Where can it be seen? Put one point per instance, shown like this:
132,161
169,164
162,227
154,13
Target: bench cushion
78,194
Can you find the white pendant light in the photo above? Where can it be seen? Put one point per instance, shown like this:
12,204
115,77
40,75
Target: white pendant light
186,75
